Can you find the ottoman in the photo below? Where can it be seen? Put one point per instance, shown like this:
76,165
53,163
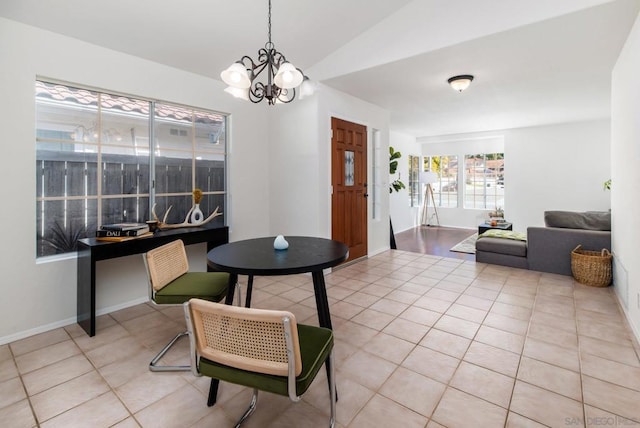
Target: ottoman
508,249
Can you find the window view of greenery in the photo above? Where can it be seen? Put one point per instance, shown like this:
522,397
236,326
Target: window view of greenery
94,163
445,189
414,181
484,180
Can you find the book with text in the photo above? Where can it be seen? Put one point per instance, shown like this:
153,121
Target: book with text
105,233
124,226
122,238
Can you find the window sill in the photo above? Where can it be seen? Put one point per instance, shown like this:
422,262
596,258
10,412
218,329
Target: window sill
57,258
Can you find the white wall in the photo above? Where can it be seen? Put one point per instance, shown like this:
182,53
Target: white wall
554,167
625,174
48,290
403,215
300,163
295,156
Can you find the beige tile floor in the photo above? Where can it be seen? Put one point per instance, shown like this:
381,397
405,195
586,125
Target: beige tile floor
422,341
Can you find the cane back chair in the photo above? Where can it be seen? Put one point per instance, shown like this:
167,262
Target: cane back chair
171,283
262,349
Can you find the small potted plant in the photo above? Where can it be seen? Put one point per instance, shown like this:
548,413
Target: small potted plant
393,166
496,216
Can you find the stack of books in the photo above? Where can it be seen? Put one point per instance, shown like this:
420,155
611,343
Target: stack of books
122,231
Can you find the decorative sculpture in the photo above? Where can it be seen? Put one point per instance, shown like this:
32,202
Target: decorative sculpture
194,217
196,213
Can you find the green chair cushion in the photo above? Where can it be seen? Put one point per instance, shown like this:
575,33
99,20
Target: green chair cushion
210,286
315,346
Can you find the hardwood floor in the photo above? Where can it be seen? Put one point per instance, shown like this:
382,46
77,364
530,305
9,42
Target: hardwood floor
434,240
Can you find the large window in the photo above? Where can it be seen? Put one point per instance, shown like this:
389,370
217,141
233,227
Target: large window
414,181
445,189
484,181
95,164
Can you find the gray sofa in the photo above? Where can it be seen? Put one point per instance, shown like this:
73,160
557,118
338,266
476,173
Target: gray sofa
501,251
548,249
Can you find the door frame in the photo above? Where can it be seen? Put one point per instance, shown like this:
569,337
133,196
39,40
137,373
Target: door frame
369,175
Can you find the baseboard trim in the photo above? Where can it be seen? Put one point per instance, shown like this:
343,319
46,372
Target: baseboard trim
635,333
349,263
63,323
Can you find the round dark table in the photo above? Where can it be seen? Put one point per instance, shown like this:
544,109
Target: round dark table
258,257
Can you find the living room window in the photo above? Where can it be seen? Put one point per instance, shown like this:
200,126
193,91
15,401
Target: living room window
445,189
94,162
414,181
484,181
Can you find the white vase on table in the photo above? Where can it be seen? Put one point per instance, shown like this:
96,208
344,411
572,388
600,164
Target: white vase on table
280,243
197,215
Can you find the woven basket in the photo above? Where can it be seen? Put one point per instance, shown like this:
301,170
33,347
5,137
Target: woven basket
591,267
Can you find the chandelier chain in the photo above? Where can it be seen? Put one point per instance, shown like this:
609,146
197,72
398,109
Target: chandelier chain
270,23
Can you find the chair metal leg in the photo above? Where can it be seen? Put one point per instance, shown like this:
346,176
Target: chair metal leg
153,365
250,409
332,390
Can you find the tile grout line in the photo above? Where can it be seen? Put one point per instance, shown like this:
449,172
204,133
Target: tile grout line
111,389
526,335
448,384
24,387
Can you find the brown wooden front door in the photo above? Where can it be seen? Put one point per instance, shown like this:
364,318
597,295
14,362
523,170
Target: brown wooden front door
349,184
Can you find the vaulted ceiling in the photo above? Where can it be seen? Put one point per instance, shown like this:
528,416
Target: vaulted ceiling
534,63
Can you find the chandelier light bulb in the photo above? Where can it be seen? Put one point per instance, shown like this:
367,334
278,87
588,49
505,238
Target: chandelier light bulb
307,88
288,76
242,93
236,76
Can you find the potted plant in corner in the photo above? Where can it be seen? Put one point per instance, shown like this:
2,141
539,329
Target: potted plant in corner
395,185
393,166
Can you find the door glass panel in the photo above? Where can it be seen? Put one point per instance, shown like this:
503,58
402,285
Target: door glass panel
349,169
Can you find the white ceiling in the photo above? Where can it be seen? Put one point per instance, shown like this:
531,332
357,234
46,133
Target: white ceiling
534,63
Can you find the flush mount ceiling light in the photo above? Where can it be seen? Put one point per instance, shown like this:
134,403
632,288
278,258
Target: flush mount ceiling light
278,83
460,83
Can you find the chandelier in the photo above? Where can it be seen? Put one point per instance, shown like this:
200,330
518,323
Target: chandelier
278,83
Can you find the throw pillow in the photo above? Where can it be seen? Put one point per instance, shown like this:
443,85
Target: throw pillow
506,234
590,220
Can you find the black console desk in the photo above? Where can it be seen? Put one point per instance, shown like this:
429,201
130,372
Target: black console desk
91,250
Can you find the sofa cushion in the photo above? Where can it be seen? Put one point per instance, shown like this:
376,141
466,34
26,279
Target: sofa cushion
512,247
590,220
